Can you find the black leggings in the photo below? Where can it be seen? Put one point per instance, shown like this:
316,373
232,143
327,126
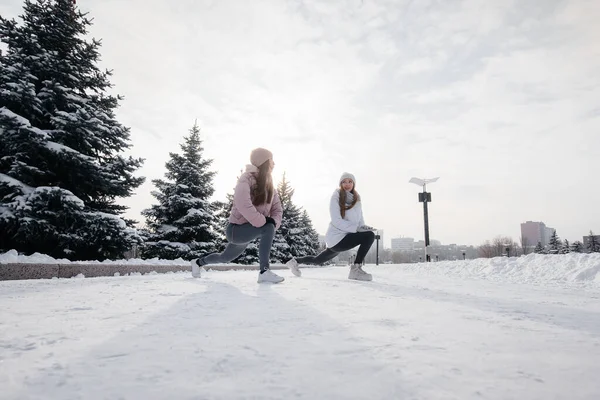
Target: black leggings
350,241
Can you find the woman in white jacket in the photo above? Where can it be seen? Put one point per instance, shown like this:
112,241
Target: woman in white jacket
346,230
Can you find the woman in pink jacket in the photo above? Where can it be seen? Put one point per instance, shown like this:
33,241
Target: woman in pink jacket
256,213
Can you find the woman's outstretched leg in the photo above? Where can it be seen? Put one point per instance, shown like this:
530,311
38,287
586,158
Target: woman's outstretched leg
321,258
231,252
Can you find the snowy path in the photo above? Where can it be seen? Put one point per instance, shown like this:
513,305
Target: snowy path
402,336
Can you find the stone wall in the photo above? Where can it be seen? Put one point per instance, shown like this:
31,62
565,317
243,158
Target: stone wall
48,271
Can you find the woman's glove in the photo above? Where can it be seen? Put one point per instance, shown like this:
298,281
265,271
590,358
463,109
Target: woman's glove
270,221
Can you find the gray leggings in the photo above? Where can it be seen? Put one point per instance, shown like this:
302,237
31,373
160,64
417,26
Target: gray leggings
239,236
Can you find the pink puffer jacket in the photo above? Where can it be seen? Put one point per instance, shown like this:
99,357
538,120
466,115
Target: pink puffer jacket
244,211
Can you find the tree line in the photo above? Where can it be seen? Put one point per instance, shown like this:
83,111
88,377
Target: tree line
504,245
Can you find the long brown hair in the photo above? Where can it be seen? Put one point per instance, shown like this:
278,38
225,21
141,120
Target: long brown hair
263,191
343,206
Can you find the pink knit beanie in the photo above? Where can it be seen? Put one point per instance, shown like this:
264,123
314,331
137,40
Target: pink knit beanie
259,156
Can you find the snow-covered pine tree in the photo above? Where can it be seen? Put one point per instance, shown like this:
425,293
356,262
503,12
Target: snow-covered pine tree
296,227
291,224
593,245
280,252
310,235
222,211
61,162
577,247
183,223
539,249
554,244
250,255
565,248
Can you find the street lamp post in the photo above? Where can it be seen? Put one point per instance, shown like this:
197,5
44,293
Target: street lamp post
425,197
377,237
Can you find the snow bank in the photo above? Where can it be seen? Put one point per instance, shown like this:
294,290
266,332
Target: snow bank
12,257
533,268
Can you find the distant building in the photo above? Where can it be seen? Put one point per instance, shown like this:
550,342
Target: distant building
587,239
381,242
403,244
534,232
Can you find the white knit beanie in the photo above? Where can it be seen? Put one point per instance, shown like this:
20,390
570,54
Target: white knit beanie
347,175
259,156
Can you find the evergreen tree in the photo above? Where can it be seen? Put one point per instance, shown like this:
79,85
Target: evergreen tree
222,211
565,248
296,226
280,252
593,244
577,247
183,223
291,223
310,235
539,249
554,244
61,162
250,254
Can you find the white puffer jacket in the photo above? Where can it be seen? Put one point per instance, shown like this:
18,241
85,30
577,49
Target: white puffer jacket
339,227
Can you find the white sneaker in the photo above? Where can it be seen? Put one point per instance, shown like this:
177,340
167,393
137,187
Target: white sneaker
196,270
357,273
269,276
293,266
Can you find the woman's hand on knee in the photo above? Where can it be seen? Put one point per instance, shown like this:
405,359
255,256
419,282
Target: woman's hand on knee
365,228
270,221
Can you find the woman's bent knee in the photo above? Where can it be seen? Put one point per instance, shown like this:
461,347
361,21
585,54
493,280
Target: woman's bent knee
268,228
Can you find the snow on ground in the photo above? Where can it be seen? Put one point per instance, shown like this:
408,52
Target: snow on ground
412,333
576,268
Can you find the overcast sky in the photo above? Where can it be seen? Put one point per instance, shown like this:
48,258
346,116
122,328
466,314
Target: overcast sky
499,98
